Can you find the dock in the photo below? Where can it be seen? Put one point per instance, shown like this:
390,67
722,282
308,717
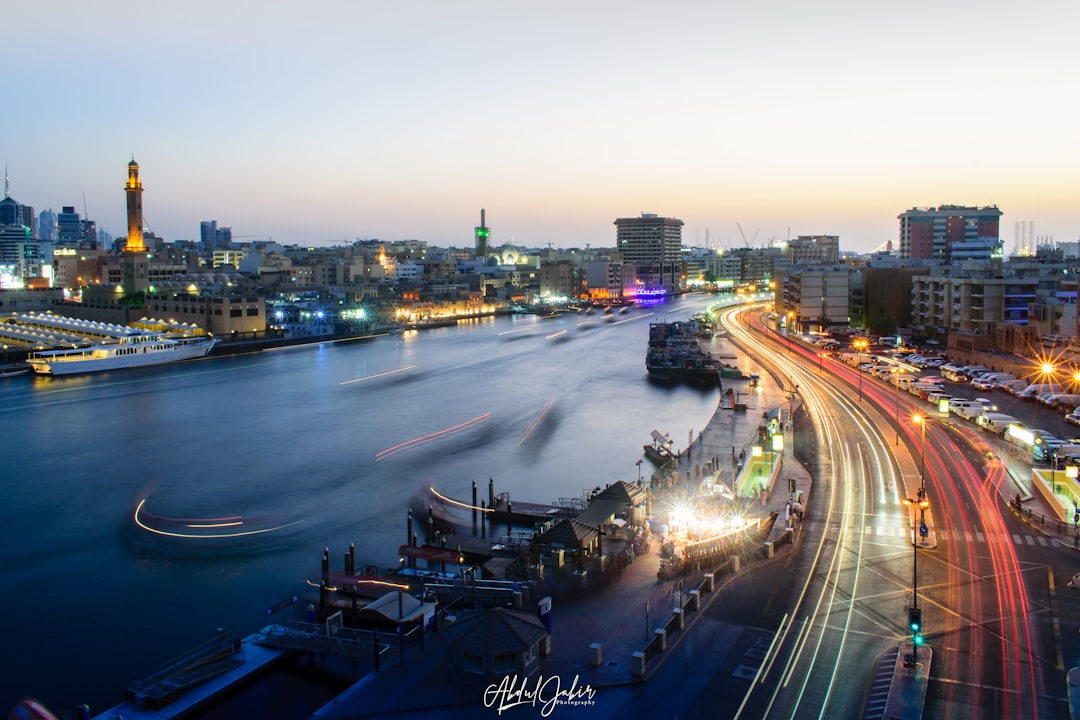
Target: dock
195,679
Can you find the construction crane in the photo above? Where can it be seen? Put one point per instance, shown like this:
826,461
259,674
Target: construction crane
745,241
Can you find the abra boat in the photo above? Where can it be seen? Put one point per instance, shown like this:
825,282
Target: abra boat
659,451
134,350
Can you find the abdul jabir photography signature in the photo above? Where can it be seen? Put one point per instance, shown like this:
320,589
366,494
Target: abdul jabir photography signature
545,693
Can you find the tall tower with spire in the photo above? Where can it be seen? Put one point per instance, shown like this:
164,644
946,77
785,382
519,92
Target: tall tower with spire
134,191
136,258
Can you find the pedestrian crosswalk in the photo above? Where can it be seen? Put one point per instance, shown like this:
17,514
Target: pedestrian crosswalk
950,535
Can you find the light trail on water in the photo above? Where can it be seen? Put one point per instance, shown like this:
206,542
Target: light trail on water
431,436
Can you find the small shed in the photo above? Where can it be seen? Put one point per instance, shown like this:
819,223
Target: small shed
572,537
489,644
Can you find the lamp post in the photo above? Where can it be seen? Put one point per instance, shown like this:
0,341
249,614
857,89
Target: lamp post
922,454
638,463
896,381
860,345
914,613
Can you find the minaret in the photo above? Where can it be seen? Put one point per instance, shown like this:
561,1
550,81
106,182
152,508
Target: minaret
481,235
136,258
134,190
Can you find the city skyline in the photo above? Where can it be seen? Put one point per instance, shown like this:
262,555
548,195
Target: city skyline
364,121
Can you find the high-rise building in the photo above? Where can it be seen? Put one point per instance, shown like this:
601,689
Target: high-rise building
18,246
208,234
652,246
47,224
69,230
950,233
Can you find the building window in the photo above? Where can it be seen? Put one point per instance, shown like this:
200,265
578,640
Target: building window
252,312
505,663
236,312
473,663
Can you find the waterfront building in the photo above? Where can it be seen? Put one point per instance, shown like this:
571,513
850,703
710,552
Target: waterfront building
603,278
950,233
651,246
560,279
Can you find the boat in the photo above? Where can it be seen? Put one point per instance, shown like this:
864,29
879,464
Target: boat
30,709
14,372
659,450
136,349
674,354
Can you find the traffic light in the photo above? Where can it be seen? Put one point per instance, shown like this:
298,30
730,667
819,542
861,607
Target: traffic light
915,624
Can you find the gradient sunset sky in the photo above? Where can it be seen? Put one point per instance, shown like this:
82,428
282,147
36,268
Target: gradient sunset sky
333,120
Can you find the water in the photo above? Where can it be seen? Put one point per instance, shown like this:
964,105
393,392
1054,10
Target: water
327,440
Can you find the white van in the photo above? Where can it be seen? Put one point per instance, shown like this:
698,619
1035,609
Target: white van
1034,391
1011,386
968,410
997,423
1064,401
996,377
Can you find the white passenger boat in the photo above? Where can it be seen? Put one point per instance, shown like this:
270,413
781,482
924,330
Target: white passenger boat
134,350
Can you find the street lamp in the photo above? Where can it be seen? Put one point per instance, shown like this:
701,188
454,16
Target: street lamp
922,453
638,463
1045,370
860,345
897,371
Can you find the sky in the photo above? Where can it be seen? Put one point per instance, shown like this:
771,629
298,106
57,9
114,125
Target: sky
336,120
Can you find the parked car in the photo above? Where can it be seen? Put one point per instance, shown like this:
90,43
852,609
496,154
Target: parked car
980,384
988,404
1073,418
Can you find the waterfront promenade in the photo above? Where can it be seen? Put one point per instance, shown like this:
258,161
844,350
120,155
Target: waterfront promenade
595,636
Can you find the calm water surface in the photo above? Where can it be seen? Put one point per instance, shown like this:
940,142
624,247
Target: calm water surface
330,440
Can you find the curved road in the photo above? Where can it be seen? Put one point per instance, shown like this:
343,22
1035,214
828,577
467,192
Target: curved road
837,606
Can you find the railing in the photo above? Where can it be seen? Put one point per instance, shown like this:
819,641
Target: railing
1047,522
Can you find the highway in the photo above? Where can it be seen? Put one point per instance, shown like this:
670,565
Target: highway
990,591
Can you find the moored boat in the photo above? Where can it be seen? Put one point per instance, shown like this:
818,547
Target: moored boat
659,450
136,349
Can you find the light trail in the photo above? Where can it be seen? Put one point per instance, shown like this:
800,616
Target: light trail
206,536
511,332
830,589
632,319
432,436
452,501
554,335
540,416
378,375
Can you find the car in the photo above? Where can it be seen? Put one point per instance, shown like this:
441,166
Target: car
935,362
988,404
1072,418
980,384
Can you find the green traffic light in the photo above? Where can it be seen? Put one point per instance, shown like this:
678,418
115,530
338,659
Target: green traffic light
918,639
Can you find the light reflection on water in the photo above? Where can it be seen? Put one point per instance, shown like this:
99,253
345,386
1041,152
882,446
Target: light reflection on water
284,436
